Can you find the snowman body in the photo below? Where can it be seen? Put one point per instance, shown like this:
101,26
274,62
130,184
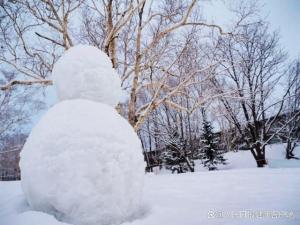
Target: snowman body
83,162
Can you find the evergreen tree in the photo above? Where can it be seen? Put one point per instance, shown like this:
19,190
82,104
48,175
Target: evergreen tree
176,156
210,154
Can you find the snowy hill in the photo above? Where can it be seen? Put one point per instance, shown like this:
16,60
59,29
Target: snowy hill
239,194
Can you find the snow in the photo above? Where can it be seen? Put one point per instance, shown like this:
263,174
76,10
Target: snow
275,155
83,163
176,199
190,198
187,199
85,72
33,218
277,158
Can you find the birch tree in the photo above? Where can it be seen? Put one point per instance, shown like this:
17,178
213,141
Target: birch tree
144,40
34,34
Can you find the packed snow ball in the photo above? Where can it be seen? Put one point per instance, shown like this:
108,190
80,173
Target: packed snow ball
86,72
83,163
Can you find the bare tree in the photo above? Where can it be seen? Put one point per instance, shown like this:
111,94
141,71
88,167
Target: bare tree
14,113
290,118
253,65
34,34
145,41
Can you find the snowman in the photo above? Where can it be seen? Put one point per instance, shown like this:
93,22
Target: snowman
83,162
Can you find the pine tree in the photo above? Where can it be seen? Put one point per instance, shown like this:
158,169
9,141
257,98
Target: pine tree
176,157
210,154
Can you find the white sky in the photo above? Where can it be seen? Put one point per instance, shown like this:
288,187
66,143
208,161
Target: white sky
283,15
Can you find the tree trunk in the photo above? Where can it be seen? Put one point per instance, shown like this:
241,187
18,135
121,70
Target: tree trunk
288,149
132,117
261,161
290,146
110,49
259,155
189,164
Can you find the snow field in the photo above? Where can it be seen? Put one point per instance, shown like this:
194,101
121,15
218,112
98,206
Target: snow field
189,198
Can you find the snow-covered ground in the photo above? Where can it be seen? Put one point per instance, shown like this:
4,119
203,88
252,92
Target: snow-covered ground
238,194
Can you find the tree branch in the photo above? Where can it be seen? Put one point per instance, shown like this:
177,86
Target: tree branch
24,82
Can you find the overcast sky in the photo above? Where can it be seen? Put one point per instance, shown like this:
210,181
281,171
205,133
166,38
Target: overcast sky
283,15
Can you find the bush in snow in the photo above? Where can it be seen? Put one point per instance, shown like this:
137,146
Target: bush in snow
176,156
83,162
210,154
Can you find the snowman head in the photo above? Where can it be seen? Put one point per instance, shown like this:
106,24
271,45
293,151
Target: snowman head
85,72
